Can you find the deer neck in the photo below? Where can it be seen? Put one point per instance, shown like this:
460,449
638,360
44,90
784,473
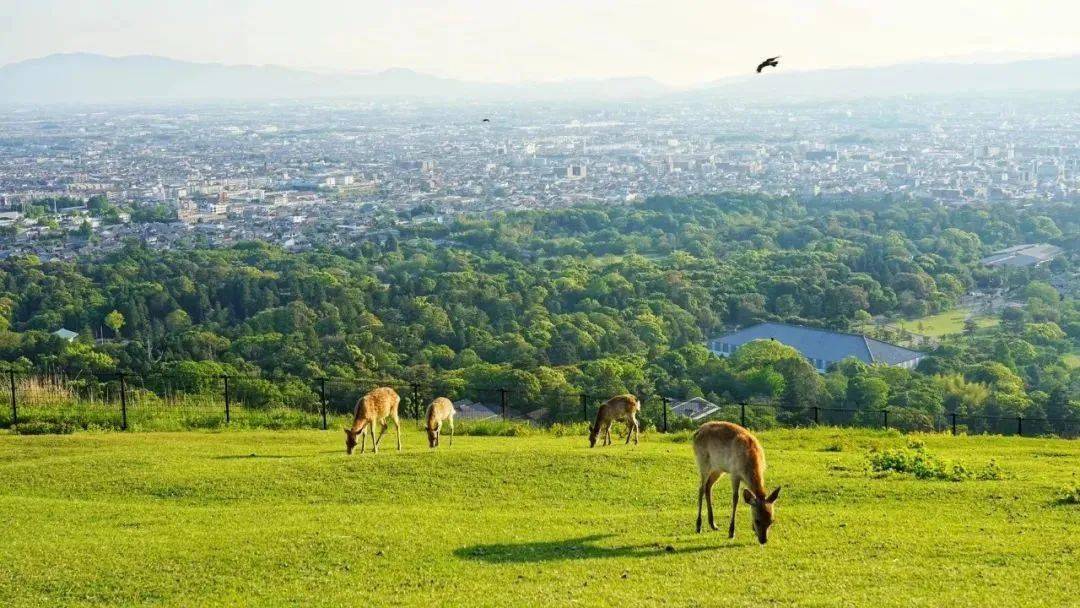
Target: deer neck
755,478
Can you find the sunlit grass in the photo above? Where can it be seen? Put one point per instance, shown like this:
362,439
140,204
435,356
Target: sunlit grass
266,518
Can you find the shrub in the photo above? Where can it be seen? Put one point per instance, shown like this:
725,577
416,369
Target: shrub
41,427
494,428
570,429
917,461
1070,495
836,446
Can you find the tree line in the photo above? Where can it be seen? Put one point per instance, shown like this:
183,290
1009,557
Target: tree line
593,299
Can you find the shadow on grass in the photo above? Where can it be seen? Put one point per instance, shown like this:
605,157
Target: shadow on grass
254,456
573,548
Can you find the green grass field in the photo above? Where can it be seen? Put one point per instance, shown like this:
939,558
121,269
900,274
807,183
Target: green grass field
941,324
249,518
950,322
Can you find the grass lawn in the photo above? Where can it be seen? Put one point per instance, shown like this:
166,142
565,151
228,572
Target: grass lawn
945,323
941,324
287,519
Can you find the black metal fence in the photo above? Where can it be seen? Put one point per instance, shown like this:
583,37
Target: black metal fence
171,400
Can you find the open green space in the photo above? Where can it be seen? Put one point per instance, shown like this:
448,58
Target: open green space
260,518
945,323
940,324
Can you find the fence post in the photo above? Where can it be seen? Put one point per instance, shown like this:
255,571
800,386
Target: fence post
816,410
123,402
885,417
664,400
228,413
742,415
14,404
322,401
502,400
953,416
1020,426
584,407
416,400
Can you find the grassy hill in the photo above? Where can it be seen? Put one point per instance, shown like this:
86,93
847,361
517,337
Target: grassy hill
286,518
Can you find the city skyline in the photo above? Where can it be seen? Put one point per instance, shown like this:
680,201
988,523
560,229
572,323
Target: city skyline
485,42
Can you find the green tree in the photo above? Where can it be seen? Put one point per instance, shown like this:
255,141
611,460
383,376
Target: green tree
114,320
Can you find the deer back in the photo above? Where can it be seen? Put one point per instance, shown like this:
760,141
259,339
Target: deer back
440,409
731,448
378,404
619,406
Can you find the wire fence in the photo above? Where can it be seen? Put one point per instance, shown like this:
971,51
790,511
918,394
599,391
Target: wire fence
171,400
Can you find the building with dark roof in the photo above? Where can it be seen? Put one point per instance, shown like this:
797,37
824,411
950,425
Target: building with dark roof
820,346
473,411
695,408
1022,256
65,334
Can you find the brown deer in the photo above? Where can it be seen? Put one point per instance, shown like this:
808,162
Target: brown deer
376,407
723,447
620,407
441,410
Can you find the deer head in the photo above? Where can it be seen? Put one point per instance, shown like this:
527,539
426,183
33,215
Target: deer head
762,511
350,440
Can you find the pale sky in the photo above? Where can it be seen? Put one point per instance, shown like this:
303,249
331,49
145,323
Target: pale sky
676,41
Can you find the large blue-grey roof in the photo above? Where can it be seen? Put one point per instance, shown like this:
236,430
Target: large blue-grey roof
823,344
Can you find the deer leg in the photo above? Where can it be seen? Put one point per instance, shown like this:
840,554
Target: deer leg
382,431
700,497
374,444
629,429
451,432
397,431
734,505
708,499
607,431
363,438
637,429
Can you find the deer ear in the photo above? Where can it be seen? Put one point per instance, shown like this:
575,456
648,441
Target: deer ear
748,496
775,494
348,431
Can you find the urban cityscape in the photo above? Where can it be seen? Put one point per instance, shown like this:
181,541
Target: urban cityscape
76,181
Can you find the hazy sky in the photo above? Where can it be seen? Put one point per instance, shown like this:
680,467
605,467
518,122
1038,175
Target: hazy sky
676,41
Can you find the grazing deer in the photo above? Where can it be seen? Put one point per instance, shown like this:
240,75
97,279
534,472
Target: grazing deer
374,408
723,447
621,407
441,410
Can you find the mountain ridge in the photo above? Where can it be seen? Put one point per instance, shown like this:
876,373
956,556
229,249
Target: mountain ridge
94,78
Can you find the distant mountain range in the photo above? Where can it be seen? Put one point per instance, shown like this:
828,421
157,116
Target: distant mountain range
930,78
88,78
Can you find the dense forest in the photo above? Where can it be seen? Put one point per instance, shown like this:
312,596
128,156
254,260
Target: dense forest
591,298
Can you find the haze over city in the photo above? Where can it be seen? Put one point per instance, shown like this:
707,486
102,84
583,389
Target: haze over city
681,42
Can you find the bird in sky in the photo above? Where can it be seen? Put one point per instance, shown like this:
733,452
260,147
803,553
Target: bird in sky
486,120
771,62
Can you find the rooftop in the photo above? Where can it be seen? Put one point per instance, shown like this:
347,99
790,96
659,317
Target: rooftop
822,344
1023,255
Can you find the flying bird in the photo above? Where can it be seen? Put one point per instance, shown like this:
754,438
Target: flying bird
771,62
486,120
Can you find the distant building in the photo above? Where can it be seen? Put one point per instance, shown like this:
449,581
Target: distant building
1022,256
66,334
573,172
820,346
695,408
472,411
